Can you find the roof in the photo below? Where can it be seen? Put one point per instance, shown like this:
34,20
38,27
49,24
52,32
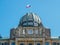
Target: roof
30,19
55,38
4,38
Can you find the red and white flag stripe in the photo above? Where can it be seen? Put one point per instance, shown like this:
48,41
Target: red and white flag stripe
28,6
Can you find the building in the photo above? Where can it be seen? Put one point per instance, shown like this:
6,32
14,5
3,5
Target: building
30,31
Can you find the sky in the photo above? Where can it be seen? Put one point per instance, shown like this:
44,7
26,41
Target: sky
12,10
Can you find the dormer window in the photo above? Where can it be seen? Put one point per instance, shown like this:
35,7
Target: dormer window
30,23
24,23
35,24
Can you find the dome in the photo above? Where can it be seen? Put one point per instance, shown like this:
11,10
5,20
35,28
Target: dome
30,19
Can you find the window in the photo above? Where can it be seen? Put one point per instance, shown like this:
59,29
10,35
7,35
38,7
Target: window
23,31
13,43
24,23
35,24
2,43
30,23
38,43
54,43
36,31
47,43
30,31
40,32
21,43
57,43
30,43
6,43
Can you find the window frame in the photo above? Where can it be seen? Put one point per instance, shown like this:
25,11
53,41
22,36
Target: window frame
36,32
30,31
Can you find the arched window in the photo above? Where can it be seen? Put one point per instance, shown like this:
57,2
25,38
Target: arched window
46,43
58,44
54,43
21,43
38,43
30,31
6,43
2,43
30,44
13,43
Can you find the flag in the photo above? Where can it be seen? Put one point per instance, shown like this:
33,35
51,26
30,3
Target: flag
28,6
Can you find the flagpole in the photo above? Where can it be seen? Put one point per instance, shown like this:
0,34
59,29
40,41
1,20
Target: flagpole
28,6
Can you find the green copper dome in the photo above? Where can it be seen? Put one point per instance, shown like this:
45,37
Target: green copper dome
30,19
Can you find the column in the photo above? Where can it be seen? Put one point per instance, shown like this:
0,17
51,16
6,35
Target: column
43,41
34,43
16,41
50,42
9,42
43,38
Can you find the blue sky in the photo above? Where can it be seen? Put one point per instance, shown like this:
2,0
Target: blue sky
12,10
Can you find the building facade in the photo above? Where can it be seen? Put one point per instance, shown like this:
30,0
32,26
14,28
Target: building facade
30,31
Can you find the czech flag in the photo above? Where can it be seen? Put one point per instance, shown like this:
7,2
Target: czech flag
28,6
